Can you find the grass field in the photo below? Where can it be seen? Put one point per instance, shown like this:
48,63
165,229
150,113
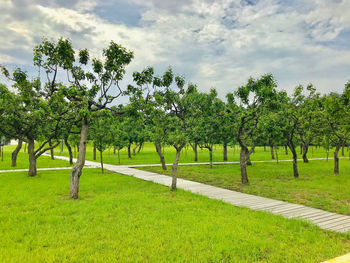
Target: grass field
148,155
23,161
317,186
120,218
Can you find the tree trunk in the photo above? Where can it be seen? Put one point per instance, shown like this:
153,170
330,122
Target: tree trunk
15,153
174,168
140,147
51,151
305,150
94,150
272,152
114,149
194,147
129,150
161,156
211,156
336,159
77,169
295,158
69,151
343,150
243,164
101,155
286,149
276,154
32,160
134,149
225,151
25,147
118,155
301,148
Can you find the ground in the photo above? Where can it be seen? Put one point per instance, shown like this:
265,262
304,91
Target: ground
317,186
120,218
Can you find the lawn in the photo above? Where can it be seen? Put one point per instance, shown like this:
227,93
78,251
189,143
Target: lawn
120,218
23,161
317,186
148,155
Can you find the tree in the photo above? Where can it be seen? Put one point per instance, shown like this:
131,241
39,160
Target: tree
208,115
336,113
308,118
32,113
101,126
91,83
253,98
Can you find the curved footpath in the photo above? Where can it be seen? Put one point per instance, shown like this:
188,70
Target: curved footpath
323,219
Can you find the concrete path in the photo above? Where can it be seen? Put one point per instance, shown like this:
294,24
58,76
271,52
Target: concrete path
325,220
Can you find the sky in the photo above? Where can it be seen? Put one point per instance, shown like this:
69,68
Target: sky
214,44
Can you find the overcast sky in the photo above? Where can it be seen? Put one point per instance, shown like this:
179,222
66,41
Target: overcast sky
212,43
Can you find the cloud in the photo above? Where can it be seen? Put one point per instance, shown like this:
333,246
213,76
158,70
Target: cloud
213,43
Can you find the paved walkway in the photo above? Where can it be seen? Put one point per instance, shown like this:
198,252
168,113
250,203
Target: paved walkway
325,220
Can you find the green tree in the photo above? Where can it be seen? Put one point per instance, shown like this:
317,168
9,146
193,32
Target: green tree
101,127
253,99
93,85
32,113
336,113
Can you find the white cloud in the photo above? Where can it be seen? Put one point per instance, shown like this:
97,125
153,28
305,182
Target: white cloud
213,43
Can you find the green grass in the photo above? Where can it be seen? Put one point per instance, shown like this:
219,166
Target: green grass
120,218
23,161
149,155
317,186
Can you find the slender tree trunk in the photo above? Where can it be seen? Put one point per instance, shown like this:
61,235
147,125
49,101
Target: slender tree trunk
77,169
51,151
276,154
140,147
295,158
69,150
114,149
129,150
225,151
305,150
101,155
194,147
32,159
15,153
161,156
336,159
286,149
134,149
25,147
301,148
243,164
2,152
174,168
343,150
211,156
94,150
272,150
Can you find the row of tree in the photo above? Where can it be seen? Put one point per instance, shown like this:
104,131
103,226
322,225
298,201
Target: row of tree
77,94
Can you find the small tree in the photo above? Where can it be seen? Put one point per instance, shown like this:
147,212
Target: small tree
33,113
101,126
336,113
93,85
253,98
